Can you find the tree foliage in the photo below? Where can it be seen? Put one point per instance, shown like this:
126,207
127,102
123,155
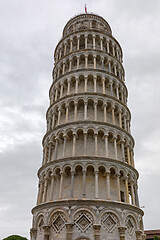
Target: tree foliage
15,237
156,238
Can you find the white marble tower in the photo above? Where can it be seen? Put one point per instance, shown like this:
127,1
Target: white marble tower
87,181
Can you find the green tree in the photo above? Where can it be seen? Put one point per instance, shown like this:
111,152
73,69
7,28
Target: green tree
15,237
156,238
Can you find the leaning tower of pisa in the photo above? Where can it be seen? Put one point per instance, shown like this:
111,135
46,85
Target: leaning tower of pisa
87,181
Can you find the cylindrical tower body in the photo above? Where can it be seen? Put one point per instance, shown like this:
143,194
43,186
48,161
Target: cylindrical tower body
88,182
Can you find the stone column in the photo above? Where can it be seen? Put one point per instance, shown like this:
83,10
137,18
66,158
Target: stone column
61,91
70,64
56,93
85,110
65,48
96,228
95,111
139,235
115,69
107,45
33,233
118,187
58,72
64,145
132,193
101,39
53,120
74,144
72,184
56,149
132,158
75,111
103,85
122,97
126,187
113,47
108,185
94,41
111,87
85,143
50,152
85,84
63,71
115,147
96,144
86,61
76,88
69,231
120,118
60,53
61,185
109,66
113,118
49,122
117,91
136,196
128,125
106,145
45,154
52,186
68,89
59,116
125,124
94,61
105,112
96,183
128,156
46,232
71,44
40,192
95,84
122,233
84,184
78,38
102,63
78,62
86,41
45,190
123,153
67,110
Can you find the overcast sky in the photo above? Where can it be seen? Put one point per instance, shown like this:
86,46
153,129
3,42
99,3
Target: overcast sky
29,32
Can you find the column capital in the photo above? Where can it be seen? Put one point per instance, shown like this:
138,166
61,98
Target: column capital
69,225
110,82
114,137
122,231
105,104
97,227
72,172
46,229
96,171
112,107
138,233
62,173
53,175
107,173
